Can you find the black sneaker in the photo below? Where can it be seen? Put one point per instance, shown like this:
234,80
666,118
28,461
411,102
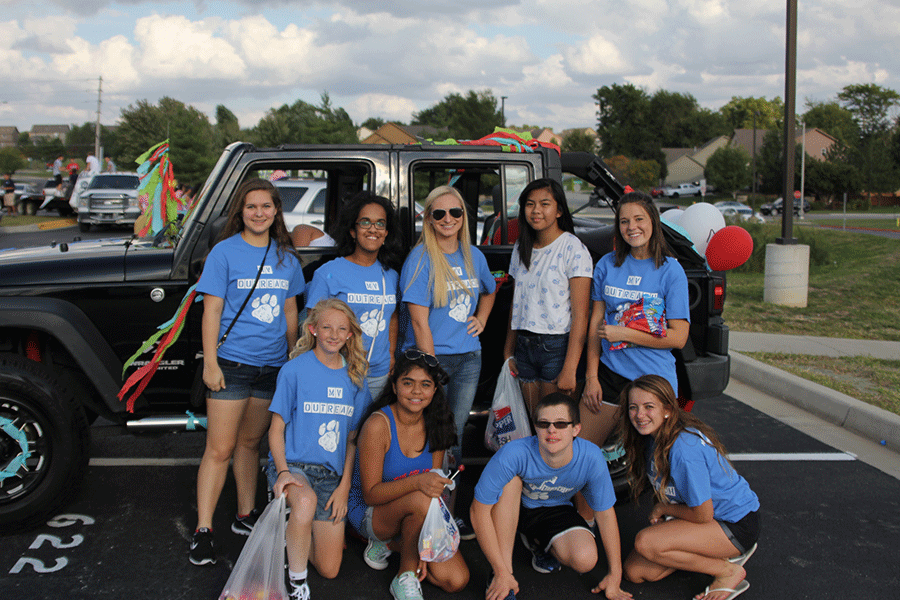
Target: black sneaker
465,530
299,590
203,548
542,562
244,525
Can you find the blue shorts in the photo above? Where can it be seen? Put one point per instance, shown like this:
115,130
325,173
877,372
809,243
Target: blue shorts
322,480
540,356
246,381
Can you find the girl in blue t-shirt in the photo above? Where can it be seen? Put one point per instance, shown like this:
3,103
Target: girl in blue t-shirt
365,277
640,313
318,405
705,517
549,316
404,435
243,349
449,292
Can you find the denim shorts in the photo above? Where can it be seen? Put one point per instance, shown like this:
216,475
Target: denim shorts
365,528
246,381
322,480
540,356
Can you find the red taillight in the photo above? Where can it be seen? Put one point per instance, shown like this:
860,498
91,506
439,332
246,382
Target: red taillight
719,296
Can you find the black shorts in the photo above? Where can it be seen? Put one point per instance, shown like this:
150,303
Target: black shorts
57,179
541,526
744,532
611,383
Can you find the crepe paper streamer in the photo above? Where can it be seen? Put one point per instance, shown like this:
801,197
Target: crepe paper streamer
193,421
18,436
614,454
157,190
729,248
507,139
172,329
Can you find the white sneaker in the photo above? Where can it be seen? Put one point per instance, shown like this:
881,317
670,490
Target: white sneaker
405,586
376,555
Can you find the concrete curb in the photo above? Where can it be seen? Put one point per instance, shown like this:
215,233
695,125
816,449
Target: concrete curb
845,411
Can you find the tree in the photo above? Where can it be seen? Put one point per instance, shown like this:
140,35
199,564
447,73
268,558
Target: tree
623,120
643,174
303,123
227,128
80,140
833,119
47,149
728,169
11,160
466,117
828,180
739,112
189,132
770,163
579,141
373,123
870,105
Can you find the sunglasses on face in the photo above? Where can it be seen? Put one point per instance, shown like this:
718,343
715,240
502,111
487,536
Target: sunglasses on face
438,214
380,224
556,424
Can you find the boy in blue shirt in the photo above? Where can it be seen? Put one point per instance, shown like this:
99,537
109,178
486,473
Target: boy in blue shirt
528,485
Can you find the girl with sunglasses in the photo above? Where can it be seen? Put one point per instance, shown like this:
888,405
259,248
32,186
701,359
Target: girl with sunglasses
705,517
365,277
404,435
448,291
552,270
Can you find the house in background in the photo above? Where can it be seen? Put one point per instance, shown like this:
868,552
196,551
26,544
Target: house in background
393,133
818,142
48,132
688,164
9,136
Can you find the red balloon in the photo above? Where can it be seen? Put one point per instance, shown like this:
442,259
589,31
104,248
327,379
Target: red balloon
729,248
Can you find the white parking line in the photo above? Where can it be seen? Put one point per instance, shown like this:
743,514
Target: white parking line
792,456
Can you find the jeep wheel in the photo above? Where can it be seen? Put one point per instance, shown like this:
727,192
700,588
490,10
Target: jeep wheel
44,443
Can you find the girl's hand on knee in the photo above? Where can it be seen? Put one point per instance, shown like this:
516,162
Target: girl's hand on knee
338,504
285,479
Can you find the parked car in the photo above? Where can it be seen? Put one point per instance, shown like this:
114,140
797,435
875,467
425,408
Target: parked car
682,189
657,192
28,198
57,198
109,199
731,209
775,208
303,201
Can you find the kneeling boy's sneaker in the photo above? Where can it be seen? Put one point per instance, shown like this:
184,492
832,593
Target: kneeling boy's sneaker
542,562
299,590
405,586
203,551
376,555
465,530
244,525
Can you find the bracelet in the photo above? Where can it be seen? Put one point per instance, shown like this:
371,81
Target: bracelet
280,472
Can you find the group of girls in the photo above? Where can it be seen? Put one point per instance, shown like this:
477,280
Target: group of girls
382,480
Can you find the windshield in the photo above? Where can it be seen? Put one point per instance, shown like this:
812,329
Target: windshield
115,182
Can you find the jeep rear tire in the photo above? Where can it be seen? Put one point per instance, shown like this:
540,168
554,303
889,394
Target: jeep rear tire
38,414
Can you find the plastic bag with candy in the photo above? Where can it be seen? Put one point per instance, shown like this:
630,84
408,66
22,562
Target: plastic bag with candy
439,537
258,573
647,315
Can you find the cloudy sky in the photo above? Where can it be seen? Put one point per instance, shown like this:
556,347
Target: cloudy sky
390,58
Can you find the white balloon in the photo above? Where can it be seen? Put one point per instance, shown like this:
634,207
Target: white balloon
672,215
702,221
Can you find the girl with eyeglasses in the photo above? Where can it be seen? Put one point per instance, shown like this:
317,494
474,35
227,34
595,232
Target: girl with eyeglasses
365,277
705,518
405,434
552,269
448,291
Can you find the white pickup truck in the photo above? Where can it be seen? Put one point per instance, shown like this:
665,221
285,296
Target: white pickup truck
682,189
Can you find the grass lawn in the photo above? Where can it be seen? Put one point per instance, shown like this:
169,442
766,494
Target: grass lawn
889,224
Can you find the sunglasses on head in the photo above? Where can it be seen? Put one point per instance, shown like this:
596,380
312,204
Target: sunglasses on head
556,424
438,214
416,354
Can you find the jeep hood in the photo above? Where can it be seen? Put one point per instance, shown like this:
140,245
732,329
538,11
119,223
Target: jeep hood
84,262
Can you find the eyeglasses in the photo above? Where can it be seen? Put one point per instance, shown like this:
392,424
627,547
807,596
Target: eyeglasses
438,214
416,354
380,224
556,424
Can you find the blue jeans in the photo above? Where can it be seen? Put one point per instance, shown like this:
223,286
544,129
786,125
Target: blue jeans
464,370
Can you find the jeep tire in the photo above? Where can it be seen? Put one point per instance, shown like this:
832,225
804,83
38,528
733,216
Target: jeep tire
39,414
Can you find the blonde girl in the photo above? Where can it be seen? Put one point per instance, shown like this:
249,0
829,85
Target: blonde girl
319,400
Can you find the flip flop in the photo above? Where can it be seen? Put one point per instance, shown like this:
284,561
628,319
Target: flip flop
732,593
740,560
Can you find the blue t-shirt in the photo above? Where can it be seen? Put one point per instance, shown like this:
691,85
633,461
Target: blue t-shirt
448,324
619,287
543,485
259,336
365,290
320,407
697,473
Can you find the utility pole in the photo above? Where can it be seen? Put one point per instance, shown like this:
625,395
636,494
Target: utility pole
503,110
97,127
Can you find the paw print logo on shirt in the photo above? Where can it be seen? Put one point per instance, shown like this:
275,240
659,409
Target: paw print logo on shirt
265,308
459,308
370,323
328,435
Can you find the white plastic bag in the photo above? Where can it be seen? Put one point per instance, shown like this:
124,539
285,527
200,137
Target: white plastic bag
508,419
259,570
439,538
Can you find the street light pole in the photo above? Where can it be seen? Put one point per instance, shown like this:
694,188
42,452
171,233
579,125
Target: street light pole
755,114
790,92
503,110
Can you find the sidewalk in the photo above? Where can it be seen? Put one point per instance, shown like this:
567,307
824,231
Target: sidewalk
864,419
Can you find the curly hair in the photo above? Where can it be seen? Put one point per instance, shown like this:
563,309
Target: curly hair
391,253
353,352
277,230
527,234
678,421
657,244
440,430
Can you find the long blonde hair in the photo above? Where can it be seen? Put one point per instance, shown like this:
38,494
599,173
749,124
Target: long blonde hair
353,353
442,277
